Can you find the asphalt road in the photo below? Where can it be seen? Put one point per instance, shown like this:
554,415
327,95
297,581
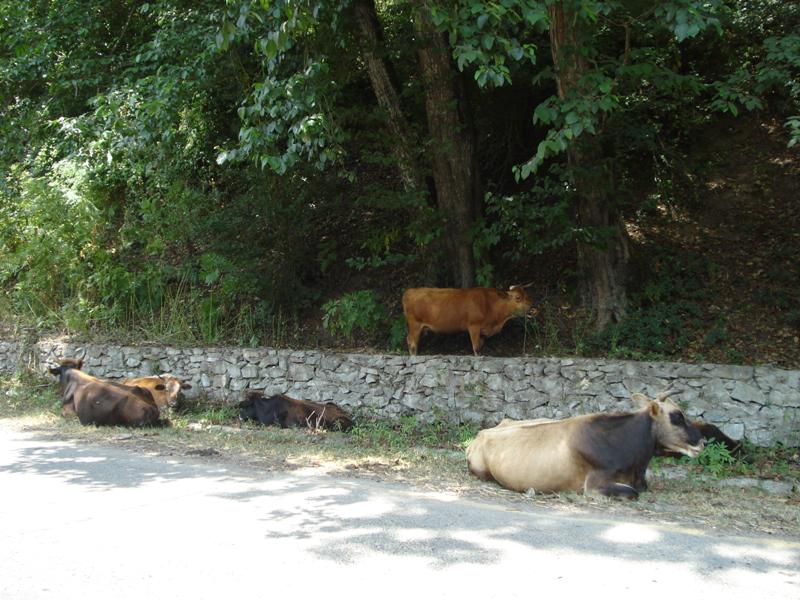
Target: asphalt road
85,522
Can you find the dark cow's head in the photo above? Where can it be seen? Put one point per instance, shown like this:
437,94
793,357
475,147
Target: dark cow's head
672,431
247,407
266,410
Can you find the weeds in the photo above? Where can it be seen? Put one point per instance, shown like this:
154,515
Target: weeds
409,431
27,394
360,310
778,462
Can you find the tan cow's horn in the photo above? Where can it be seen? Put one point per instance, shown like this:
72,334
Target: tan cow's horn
82,356
521,286
664,395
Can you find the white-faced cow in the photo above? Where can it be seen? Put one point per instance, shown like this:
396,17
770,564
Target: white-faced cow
166,389
601,452
284,411
99,402
481,312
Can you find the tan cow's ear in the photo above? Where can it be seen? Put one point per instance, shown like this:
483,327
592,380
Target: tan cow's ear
655,409
640,400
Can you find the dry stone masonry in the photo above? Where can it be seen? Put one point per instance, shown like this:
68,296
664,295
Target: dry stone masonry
761,403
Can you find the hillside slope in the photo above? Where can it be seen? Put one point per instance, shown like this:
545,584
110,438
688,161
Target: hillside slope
745,221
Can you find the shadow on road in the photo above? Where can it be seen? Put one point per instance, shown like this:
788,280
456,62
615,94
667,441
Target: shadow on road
343,520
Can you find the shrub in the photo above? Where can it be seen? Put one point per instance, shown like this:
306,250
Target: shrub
361,310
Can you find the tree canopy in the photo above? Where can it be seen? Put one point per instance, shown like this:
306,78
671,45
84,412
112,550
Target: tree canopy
218,170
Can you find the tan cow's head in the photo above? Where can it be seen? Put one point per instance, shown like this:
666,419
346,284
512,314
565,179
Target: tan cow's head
672,430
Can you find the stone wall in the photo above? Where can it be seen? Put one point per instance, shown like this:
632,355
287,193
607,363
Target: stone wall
761,403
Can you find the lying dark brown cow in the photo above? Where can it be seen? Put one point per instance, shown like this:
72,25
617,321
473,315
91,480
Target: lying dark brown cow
289,412
603,452
481,312
166,389
99,402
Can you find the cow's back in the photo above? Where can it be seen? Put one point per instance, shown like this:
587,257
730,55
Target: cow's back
446,310
525,456
101,403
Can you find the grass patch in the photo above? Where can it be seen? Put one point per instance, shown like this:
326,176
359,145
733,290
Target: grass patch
27,395
409,432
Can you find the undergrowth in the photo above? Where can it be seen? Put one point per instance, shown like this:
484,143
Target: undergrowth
777,462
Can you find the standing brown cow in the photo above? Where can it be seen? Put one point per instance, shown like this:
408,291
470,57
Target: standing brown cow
481,312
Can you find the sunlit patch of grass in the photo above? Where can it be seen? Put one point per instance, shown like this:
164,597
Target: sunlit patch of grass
25,394
410,431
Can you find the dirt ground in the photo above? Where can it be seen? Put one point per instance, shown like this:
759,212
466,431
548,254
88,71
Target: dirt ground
676,496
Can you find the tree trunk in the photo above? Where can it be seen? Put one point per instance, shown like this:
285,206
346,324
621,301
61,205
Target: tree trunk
603,263
385,90
453,157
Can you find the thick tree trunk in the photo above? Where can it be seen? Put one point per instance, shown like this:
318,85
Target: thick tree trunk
385,90
603,265
453,157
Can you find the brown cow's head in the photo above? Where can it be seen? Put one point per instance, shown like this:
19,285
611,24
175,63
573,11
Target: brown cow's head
671,429
65,364
521,302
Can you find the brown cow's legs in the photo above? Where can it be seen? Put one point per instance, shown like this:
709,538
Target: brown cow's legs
414,331
475,338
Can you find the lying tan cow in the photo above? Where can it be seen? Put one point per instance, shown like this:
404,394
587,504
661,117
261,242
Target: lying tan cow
166,389
601,452
99,402
481,312
708,431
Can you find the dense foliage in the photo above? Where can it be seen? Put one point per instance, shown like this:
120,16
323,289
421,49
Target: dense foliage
211,172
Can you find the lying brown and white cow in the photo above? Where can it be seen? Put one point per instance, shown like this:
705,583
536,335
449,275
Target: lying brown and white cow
481,312
600,452
99,402
289,412
166,389
708,431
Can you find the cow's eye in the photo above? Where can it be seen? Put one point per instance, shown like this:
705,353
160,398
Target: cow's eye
676,418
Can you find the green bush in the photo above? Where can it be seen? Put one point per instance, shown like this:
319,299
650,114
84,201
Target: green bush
356,311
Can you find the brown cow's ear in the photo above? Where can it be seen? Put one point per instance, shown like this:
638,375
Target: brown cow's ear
640,400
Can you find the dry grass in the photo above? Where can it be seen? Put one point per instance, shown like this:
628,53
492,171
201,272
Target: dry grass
677,494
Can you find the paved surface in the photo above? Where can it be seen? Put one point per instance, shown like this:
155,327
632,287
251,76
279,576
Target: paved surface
85,522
